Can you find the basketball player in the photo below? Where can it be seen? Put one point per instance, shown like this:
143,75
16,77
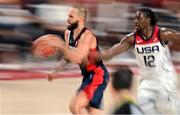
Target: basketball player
79,42
157,89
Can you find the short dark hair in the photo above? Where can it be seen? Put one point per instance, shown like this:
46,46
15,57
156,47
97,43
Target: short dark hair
122,78
149,13
81,10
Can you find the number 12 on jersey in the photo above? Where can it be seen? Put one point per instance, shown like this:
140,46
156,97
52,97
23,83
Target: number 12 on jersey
149,61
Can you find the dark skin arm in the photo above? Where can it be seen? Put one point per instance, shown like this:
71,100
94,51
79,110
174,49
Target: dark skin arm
173,36
124,45
169,35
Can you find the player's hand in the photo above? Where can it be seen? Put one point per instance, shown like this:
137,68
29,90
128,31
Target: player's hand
49,76
58,44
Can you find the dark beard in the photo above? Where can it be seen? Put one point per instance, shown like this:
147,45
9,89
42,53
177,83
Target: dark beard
72,26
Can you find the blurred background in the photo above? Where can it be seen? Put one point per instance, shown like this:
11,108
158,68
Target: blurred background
23,21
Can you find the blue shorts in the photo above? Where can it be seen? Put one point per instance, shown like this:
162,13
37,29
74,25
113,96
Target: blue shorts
94,84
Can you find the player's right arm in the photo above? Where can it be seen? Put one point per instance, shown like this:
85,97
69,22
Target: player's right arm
61,64
80,53
118,48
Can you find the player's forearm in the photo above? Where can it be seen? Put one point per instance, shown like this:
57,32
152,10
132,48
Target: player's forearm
61,65
116,49
73,55
106,55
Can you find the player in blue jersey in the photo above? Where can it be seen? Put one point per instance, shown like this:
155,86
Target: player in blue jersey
79,42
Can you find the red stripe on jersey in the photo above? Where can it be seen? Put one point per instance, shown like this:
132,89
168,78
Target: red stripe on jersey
154,39
91,60
97,79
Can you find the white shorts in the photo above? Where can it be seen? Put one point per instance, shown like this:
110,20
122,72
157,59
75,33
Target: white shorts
156,102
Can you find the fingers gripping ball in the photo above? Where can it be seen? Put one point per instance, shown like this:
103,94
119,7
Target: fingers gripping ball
45,46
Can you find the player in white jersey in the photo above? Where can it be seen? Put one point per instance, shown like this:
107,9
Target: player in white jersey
157,89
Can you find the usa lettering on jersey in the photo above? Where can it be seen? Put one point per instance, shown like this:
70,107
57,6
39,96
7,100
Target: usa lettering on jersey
147,49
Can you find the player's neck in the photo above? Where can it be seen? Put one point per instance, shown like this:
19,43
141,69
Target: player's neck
147,32
78,30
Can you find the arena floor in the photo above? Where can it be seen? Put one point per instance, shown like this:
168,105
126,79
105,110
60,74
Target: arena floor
39,96
23,92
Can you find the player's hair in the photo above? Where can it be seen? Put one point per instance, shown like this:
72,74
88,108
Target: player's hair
149,13
122,79
81,10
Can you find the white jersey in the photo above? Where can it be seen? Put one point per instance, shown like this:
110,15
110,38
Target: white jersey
157,72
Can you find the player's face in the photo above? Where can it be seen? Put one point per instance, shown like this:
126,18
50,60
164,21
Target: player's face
73,19
141,21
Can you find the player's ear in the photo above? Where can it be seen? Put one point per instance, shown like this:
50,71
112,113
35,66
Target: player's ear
148,20
81,18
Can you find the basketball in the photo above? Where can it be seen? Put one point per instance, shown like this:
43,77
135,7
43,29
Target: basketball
40,48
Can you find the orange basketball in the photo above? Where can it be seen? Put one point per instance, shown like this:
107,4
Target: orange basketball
40,48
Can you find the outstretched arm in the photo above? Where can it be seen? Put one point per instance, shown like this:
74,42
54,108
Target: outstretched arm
123,46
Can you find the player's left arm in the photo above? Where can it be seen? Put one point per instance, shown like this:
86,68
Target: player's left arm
169,35
59,67
61,64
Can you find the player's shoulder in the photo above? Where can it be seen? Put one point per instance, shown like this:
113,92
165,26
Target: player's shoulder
50,35
88,32
165,30
129,36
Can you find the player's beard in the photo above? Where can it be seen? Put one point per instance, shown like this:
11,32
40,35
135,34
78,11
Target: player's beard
72,26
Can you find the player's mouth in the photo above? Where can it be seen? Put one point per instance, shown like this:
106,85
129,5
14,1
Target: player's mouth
69,23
